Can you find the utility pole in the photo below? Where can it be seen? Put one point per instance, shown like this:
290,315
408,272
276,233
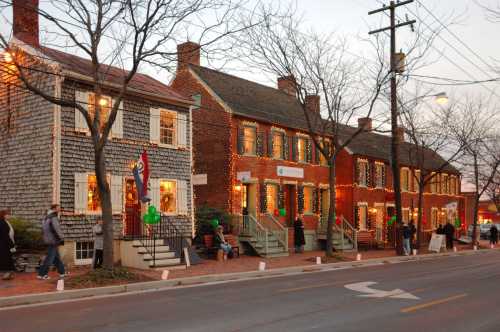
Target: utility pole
394,113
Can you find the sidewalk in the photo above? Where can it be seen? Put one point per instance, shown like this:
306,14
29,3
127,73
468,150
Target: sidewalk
26,283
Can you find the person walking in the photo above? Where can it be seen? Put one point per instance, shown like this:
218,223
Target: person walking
299,238
449,232
53,237
7,247
493,234
413,231
406,239
98,244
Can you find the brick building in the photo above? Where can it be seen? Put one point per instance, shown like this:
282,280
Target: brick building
48,153
251,143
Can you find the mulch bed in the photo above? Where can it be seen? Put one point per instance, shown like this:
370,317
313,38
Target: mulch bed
102,277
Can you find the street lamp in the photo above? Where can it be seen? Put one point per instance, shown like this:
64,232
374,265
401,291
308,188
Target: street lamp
441,98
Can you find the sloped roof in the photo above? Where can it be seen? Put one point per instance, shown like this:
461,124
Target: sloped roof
263,103
141,83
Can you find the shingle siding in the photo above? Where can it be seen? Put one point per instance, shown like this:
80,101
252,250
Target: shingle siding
26,140
77,156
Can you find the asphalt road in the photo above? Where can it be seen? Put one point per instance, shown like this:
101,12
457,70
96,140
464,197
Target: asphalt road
454,294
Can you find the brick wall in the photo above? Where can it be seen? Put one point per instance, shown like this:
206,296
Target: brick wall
77,156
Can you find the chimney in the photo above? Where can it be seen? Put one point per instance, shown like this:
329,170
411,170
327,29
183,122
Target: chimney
25,21
400,134
365,123
312,103
287,85
187,53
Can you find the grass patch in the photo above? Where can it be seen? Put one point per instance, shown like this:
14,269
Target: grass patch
103,277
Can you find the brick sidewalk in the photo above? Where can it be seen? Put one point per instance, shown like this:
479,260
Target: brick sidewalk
26,283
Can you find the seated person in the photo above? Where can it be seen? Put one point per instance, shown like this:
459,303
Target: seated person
220,242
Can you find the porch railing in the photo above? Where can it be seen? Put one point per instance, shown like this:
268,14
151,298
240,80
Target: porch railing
276,228
345,229
251,227
153,236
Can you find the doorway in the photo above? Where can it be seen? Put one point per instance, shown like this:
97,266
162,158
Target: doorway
290,202
132,225
379,223
248,199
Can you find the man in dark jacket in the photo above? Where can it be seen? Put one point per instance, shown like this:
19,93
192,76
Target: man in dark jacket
53,237
406,239
299,238
493,234
6,246
449,231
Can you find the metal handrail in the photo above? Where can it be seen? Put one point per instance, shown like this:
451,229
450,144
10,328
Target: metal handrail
345,229
277,229
254,228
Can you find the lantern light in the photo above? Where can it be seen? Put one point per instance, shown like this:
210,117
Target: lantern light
237,187
8,57
103,102
441,98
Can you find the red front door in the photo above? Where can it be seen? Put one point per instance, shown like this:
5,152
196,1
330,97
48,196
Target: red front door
132,225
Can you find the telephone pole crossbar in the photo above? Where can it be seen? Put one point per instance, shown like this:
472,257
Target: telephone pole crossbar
394,113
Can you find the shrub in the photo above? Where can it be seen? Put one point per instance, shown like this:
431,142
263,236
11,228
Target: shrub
204,217
26,236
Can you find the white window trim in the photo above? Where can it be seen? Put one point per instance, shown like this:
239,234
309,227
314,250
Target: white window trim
275,131
176,212
409,179
382,165
85,261
176,138
363,204
409,214
362,185
311,187
254,126
304,137
95,213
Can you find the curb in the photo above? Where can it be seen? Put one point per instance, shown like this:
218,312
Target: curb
42,298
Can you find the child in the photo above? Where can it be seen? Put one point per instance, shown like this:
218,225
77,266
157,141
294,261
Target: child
98,244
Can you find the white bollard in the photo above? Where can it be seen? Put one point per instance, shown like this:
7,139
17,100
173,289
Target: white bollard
262,266
492,246
164,275
455,249
475,247
358,257
414,252
318,260
60,285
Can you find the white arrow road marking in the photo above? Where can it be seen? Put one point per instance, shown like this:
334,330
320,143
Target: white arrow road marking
364,287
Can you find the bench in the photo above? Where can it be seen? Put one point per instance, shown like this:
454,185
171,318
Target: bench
366,238
208,240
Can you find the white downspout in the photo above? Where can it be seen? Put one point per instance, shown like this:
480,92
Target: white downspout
56,147
191,169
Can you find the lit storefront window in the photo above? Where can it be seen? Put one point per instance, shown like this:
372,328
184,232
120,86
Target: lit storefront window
272,197
168,202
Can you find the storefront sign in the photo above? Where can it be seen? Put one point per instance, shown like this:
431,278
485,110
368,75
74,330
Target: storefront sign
437,242
291,172
199,179
243,176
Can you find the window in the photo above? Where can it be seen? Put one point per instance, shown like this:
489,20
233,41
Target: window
434,218
406,215
434,182
405,179
362,172
416,180
106,103
379,175
84,252
362,215
168,202
167,127
322,159
271,197
301,149
93,200
250,140
308,199
278,139
444,183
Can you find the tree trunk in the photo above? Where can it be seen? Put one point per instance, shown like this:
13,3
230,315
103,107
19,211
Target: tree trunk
332,180
107,214
419,218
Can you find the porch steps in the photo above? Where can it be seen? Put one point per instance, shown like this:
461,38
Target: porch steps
274,249
164,257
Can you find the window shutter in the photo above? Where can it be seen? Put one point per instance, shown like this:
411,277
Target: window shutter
80,193
317,155
384,176
82,98
182,199
356,172
270,139
294,148
281,197
154,192
117,193
286,148
182,120
300,199
260,144
154,125
369,180
117,128
356,217
315,197
263,198
309,153
241,140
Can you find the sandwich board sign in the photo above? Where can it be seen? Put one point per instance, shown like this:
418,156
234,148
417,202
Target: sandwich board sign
437,242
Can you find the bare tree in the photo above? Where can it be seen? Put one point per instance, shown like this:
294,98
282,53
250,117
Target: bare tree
474,128
123,34
432,148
